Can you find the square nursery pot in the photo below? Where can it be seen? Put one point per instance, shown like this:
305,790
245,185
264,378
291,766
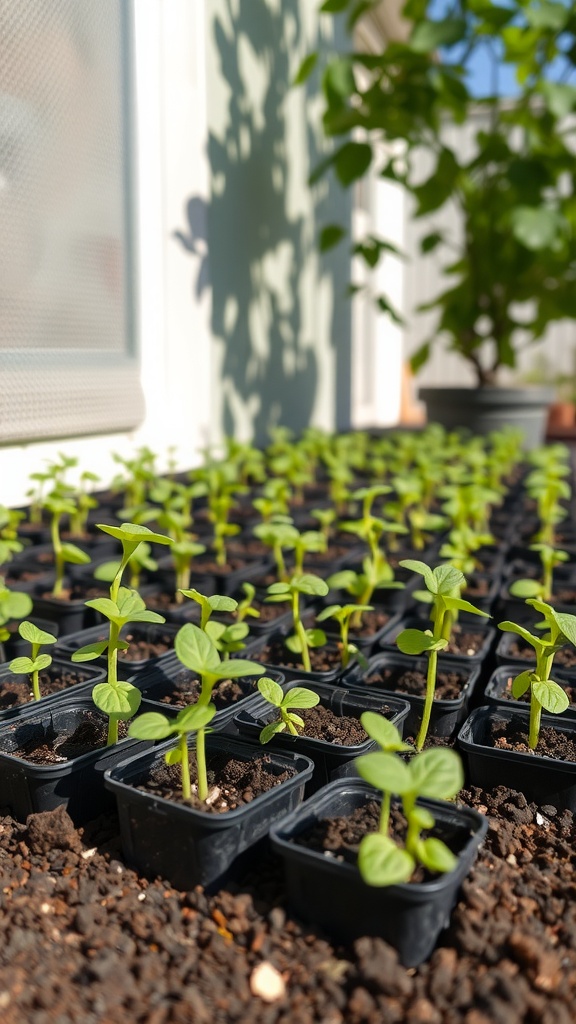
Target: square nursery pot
469,624
384,676
70,615
499,688
331,759
77,783
544,780
191,847
59,682
155,639
271,652
329,892
513,650
169,686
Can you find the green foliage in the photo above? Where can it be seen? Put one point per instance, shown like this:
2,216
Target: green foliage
302,639
155,726
434,773
557,630
298,697
37,662
514,187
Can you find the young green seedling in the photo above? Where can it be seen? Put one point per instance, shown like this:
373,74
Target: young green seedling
550,557
58,506
383,732
559,629
196,651
298,697
344,615
434,773
302,639
154,726
13,605
443,586
37,662
245,607
117,699
379,576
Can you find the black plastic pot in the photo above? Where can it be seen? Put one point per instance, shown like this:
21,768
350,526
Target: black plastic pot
191,847
331,760
26,788
290,669
154,632
504,656
499,687
446,715
87,676
69,615
470,623
331,893
542,779
169,673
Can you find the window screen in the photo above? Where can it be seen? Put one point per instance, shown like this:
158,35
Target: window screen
67,343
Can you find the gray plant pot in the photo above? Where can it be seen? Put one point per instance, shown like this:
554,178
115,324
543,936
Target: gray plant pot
484,409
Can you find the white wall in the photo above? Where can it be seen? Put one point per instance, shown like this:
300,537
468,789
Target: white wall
174,326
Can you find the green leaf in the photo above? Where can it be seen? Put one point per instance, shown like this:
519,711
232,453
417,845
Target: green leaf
560,97
461,605
437,773
448,578
306,68
90,651
334,6
193,718
300,697
526,588
521,683
269,731
133,533
106,607
151,726
421,817
432,35
436,856
381,862
421,568
21,666
120,701
195,649
222,603
271,691
385,772
567,624
416,641
235,668
75,555
551,696
352,161
295,719
330,236
309,584
512,627
173,756
315,637
547,15
382,731
535,227
29,631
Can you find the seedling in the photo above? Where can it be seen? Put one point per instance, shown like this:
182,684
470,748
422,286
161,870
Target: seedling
37,662
550,557
208,605
117,699
298,697
10,544
302,639
344,615
443,586
245,607
58,506
379,576
13,605
279,535
434,773
155,726
196,651
560,629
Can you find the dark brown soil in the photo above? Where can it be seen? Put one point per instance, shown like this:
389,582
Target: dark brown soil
372,623
90,734
465,643
321,723
185,689
205,566
84,940
233,783
449,684
14,692
322,659
551,743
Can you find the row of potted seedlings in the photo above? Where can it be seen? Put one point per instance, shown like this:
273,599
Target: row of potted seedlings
349,689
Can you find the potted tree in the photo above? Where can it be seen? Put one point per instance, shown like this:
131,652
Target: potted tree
509,267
